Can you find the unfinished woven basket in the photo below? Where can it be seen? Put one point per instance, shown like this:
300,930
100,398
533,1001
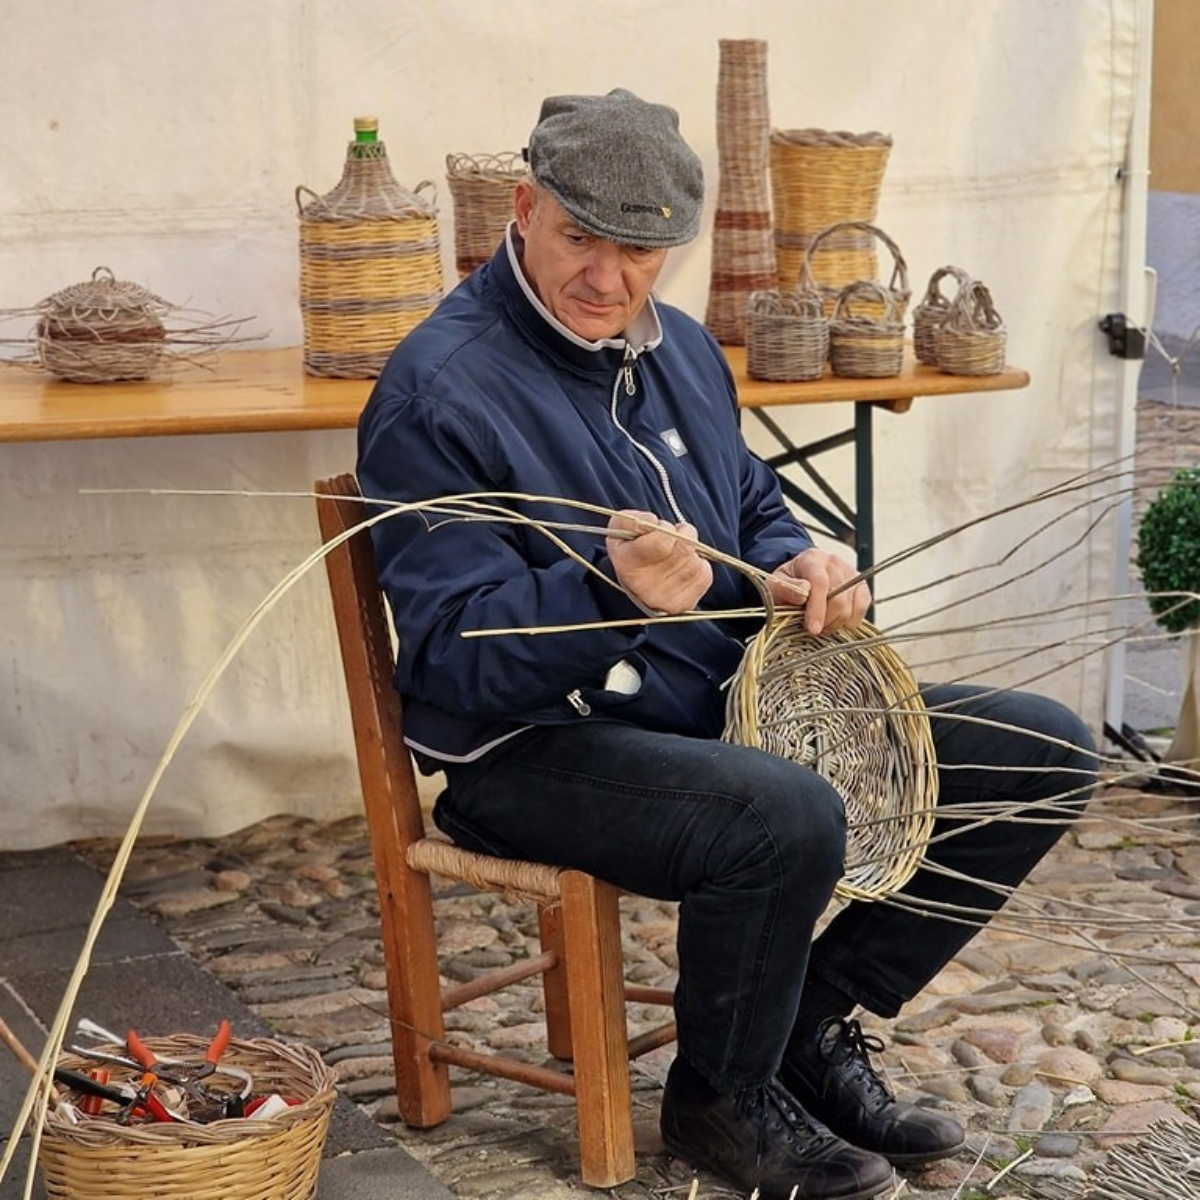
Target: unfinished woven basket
846,705
932,311
743,252
866,337
787,336
972,339
481,189
820,177
834,258
370,265
272,1158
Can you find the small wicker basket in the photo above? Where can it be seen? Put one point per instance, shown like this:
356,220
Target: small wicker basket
972,339
370,264
481,188
931,312
846,705
866,337
834,258
272,1158
787,336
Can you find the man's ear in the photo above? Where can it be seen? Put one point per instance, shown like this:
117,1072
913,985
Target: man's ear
524,202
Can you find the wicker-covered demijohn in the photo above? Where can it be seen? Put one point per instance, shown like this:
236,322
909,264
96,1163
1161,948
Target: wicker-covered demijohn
846,705
787,336
481,189
370,262
972,340
820,177
247,1158
932,311
866,336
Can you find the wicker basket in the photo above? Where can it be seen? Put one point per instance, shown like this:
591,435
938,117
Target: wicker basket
273,1158
846,705
833,259
972,339
743,252
787,336
820,177
481,188
931,312
370,265
866,337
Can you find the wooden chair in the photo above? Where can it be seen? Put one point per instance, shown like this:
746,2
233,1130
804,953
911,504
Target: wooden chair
581,962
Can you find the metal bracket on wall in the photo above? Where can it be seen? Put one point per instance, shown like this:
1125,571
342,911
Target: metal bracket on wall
1125,340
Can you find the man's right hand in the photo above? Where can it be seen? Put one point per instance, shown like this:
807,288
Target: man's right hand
659,566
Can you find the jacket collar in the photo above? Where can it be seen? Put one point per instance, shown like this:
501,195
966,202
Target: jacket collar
536,321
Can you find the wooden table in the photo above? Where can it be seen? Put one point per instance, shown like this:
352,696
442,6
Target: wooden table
256,391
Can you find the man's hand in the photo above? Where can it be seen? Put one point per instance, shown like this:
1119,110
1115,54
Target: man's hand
659,567
823,572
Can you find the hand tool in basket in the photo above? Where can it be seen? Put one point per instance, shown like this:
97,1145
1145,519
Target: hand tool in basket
135,1103
213,1104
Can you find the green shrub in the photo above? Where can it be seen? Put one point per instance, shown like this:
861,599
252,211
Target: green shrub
1169,550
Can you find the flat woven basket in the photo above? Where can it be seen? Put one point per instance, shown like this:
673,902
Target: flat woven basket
481,189
273,1158
787,336
834,260
820,177
866,337
370,265
932,311
846,705
972,339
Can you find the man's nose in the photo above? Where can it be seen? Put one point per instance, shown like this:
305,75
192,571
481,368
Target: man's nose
604,267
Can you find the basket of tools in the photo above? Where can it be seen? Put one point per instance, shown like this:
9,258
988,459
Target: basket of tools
866,334
161,1119
972,339
787,336
929,315
832,261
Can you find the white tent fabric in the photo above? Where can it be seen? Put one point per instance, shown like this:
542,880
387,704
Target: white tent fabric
166,142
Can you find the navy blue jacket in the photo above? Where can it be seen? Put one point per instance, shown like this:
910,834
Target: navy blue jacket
490,394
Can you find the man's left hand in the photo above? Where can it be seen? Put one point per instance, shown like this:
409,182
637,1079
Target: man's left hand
824,573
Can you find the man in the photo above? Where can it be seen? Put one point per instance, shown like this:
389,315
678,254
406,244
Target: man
552,372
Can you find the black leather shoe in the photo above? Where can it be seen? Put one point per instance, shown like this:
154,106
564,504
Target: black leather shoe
761,1138
832,1076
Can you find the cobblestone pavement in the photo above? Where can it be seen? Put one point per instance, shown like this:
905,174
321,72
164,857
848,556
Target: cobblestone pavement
1058,1043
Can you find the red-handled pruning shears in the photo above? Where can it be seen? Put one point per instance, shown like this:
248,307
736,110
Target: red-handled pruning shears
187,1075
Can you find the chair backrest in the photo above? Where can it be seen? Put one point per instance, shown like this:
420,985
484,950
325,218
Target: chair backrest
385,766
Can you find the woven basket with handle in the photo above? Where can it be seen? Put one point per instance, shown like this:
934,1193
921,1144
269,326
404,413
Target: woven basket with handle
972,339
832,262
818,178
787,336
866,337
932,311
481,189
248,1158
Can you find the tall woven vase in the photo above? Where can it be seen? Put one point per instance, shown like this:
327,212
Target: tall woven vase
743,254
370,264
819,178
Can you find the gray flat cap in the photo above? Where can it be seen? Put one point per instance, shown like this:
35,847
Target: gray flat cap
620,167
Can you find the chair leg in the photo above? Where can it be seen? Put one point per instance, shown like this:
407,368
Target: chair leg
554,983
596,986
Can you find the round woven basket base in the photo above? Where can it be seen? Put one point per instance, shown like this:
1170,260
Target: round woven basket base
846,705
275,1158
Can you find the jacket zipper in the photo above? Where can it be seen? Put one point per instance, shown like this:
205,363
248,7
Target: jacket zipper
625,382
579,704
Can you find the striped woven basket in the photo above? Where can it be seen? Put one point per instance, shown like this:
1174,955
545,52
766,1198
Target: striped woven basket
972,340
820,177
846,705
269,1158
787,336
743,253
481,189
931,312
866,337
370,265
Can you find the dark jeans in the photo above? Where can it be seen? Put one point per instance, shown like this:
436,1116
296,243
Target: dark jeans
751,846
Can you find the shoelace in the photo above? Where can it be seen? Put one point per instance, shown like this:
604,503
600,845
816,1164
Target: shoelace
859,1046
775,1104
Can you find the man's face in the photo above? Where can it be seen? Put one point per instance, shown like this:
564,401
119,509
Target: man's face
592,286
